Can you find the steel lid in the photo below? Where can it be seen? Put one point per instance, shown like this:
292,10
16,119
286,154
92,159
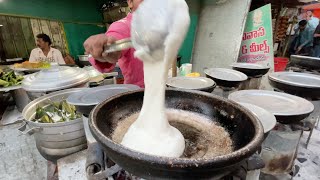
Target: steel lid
92,72
93,96
267,119
226,74
296,79
10,88
56,78
192,83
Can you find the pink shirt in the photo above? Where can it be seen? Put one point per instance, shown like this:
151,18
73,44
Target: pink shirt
131,67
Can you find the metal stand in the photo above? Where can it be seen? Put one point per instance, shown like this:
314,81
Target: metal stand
224,91
313,120
279,150
310,123
251,83
311,132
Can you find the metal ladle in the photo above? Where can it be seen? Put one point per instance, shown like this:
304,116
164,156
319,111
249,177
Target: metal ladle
117,46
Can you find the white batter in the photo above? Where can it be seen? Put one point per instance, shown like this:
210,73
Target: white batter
158,30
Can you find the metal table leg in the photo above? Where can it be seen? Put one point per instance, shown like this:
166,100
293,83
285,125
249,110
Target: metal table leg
311,130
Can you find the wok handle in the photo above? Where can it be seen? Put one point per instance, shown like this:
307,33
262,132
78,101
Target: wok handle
24,130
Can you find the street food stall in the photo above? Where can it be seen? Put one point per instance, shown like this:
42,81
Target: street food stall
240,121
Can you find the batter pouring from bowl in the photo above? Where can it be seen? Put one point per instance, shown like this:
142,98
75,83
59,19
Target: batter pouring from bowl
158,31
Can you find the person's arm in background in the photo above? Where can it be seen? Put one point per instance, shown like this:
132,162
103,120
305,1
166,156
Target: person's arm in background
69,60
59,57
317,32
95,46
33,57
308,39
315,22
297,42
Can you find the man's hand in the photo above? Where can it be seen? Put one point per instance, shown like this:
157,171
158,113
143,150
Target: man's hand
298,49
94,45
316,35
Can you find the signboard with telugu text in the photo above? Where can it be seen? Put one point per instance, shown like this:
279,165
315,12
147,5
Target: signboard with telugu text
257,40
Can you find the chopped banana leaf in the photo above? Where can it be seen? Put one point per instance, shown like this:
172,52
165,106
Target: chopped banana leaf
4,83
40,112
56,112
46,119
9,79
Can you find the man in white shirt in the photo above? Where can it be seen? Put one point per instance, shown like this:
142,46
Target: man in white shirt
45,52
312,21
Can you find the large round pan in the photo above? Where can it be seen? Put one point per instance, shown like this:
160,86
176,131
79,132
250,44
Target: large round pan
267,119
300,84
192,83
245,129
305,61
285,107
251,70
226,77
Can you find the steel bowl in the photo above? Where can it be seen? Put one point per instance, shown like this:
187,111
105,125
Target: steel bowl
83,57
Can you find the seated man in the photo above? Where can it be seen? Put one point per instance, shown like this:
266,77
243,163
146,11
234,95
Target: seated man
45,52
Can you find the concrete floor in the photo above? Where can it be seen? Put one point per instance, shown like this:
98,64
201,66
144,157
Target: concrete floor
308,161
19,157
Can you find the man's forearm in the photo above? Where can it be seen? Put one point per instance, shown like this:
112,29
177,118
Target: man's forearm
304,44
